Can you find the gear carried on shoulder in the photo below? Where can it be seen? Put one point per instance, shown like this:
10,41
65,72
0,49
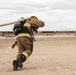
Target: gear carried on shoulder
19,28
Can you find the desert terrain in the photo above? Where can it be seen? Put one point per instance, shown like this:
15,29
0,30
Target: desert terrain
52,55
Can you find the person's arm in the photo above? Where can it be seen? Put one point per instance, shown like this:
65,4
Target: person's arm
15,43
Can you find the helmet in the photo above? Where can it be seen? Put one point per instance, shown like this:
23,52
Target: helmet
34,17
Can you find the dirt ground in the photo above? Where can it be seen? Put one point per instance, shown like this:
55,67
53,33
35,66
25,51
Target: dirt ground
51,56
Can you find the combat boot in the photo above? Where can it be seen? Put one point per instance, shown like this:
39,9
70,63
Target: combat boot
15,65
21,59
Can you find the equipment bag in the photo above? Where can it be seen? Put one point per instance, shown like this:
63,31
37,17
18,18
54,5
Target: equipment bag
19,28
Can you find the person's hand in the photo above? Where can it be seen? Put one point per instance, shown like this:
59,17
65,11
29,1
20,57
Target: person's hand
13,46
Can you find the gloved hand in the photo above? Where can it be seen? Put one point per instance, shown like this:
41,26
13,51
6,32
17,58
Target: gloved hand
13,46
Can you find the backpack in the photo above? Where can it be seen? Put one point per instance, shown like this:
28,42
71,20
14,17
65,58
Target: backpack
19,28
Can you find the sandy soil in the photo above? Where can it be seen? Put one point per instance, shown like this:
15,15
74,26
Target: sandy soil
51,56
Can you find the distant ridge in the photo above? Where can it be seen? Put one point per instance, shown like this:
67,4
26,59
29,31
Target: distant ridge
58,31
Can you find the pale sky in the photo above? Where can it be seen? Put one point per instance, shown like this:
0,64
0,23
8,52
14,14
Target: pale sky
57,14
